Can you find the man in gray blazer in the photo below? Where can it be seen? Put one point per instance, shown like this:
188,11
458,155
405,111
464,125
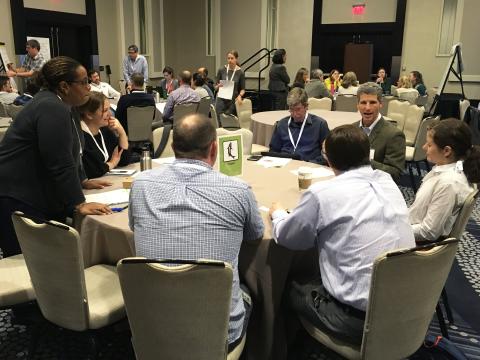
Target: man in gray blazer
387,142
315,87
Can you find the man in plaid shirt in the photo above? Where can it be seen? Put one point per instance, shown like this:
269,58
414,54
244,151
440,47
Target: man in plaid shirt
33,61
187,210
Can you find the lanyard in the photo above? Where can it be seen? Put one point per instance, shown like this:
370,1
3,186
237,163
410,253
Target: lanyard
299,135
226,73
104,151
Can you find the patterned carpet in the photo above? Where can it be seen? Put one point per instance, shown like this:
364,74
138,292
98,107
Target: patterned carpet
463,287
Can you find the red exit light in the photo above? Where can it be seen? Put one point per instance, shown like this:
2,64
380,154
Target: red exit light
358,9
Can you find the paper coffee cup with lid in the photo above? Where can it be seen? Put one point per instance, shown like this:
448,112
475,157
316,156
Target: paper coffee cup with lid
305,176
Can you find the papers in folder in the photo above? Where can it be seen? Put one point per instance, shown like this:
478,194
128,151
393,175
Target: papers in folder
112,197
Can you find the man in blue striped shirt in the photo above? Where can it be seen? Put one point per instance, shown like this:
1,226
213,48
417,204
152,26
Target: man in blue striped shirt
187,210
351,219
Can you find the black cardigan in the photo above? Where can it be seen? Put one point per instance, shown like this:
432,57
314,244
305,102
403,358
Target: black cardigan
40,157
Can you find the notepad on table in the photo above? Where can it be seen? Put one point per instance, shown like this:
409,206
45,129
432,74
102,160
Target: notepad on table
119,196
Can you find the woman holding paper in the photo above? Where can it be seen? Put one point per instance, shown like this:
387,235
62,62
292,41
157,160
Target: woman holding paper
40,155
106,143
230,85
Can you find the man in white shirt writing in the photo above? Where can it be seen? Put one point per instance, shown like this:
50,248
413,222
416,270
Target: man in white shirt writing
100,86
351,219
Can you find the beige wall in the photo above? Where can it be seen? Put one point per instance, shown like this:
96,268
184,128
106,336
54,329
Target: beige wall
340,11
70,6
108,48
295,36
420,43
6,29
185,36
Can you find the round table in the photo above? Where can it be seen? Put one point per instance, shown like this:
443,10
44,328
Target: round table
264,266
263,122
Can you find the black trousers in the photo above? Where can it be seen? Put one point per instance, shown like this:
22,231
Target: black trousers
279,100
8,238
314,303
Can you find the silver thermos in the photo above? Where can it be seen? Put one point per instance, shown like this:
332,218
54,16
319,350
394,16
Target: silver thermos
145,160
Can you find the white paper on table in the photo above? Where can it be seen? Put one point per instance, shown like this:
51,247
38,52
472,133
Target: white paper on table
161,106
226,91
317,172
161,161
270,161
264,208
119,196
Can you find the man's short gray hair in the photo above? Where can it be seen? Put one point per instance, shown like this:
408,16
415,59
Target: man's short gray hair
316,74
370,88
297,96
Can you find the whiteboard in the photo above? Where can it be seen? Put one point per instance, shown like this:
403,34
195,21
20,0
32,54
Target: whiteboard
44,46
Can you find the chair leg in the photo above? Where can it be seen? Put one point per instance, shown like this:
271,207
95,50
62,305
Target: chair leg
446,305
441,321
412,177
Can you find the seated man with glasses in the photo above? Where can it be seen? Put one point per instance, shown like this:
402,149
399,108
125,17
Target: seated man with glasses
301,133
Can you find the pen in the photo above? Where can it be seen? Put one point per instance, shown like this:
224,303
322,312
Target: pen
119,209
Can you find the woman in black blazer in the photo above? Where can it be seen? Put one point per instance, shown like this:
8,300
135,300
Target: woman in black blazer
279,80
40,155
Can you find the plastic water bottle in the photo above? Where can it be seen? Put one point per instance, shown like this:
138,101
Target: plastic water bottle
145,160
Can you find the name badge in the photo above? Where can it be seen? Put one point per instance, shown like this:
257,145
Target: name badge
372,154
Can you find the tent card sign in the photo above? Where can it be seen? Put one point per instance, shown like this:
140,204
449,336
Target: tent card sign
230,155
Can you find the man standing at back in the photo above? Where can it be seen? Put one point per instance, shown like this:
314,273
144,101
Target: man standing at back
33,61
187,210
351,220
134,63
387,142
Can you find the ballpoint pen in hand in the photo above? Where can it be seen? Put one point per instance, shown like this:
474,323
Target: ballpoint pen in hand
119,209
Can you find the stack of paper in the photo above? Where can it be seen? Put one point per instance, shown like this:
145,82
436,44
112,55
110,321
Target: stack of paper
112,197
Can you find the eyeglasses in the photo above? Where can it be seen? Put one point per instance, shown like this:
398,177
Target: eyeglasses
81,82
132,52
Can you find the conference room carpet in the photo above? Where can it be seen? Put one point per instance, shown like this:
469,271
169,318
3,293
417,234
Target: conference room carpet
463,288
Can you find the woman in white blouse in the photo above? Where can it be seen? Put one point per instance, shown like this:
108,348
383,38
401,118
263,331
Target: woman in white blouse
445,188
349,84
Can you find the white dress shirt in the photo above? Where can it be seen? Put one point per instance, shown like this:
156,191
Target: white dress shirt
351,219
106,89
438,201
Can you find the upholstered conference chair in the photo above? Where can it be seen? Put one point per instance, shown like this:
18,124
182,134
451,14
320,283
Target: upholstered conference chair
244,113
397,111
404,292
321,104
415,154
182,110
346,103
139,120
167,151
68,295
412,123
180,311
15,284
